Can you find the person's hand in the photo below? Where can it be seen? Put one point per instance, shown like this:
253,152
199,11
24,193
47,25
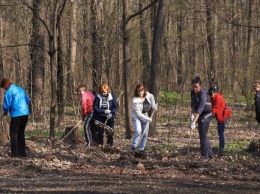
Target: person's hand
155,107
4,114
109,116
192,126
107,112
191,117
149,119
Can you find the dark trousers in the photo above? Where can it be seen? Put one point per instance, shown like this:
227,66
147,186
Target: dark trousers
17,127
100,135
203,127
221,129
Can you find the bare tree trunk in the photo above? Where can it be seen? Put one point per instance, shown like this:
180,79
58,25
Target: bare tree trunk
61,89
37,63
96,62
127,65
4,138
180,48
250,42
211,41
156,57
144,50
73,44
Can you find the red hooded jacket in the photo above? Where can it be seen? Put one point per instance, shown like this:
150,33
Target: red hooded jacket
87,99
219,108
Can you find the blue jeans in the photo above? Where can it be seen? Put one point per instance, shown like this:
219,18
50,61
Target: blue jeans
221,129
140,126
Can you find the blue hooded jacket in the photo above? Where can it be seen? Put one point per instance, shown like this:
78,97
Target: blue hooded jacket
16,101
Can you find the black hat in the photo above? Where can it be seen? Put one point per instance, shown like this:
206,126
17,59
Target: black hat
212,90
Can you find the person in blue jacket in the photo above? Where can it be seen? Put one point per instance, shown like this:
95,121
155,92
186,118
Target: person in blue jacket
16,103
104,109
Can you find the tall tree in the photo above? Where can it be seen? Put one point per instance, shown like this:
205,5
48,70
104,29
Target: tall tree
37,61
73,44
211,40
156,57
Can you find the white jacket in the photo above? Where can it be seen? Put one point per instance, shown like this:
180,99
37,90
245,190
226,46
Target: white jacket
137,106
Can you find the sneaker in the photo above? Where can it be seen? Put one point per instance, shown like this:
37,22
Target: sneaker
132,149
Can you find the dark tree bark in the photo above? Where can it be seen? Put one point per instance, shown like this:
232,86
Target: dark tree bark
144,49
96,62
156,58
61,88
180,48
37,63
211,41
127,65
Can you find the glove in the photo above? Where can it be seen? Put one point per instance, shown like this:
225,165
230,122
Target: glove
109,116
149,120
5,114
107,112
192,126
191,117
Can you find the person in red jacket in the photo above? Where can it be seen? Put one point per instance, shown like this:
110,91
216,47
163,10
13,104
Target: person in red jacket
221,112
86,101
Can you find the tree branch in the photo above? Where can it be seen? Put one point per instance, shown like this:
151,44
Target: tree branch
19,45
234,23
43,22
140,11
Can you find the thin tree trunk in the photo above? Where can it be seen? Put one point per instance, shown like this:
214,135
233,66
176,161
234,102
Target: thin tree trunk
73,43
61,89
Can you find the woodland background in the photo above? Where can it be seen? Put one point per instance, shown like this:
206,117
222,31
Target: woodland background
49,47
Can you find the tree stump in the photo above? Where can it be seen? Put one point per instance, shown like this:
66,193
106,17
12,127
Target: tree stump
4,131
74,138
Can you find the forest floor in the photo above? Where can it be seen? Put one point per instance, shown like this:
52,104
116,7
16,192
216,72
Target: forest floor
60,168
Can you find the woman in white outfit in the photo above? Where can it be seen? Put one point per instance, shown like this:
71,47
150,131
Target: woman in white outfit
142,102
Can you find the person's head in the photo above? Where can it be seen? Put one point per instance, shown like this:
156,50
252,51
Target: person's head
140,91
196,84
81,89
256,85
104,89
5,83
212,91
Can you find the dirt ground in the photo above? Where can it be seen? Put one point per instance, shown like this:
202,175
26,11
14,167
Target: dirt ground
56,167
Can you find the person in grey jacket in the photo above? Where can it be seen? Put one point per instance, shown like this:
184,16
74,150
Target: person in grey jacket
201,113
142,102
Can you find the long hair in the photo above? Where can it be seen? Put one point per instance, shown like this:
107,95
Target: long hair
138,88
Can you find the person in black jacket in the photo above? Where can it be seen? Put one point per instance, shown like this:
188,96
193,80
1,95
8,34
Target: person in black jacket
201,113
104,109
256,86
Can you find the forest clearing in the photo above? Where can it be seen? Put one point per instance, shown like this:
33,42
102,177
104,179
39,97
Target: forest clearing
62,168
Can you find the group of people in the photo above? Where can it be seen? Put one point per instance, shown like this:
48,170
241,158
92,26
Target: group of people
205,104
103,107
